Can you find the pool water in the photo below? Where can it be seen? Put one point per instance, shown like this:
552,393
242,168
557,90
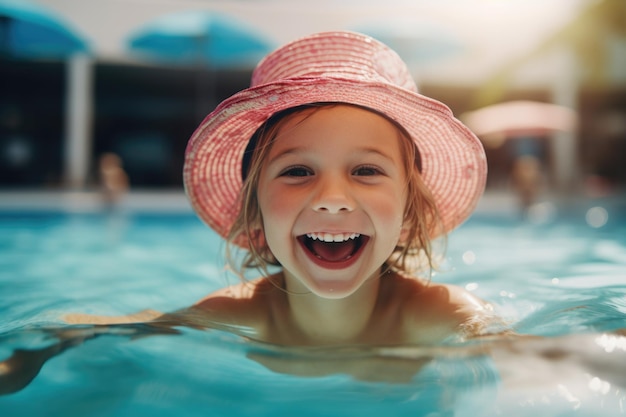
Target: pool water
558,276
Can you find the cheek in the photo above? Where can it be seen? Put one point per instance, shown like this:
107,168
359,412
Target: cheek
272,203
277,218
390,206
278,209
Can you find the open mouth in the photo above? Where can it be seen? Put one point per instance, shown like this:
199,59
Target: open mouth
333,247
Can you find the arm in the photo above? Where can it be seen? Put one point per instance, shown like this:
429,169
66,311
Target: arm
223,310
19,369
139,317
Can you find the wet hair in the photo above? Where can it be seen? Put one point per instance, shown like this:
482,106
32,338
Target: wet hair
421,218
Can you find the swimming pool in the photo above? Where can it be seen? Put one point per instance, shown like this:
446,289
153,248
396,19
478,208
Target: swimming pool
560,276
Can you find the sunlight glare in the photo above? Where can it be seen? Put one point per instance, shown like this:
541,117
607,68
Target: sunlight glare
597,217
469,257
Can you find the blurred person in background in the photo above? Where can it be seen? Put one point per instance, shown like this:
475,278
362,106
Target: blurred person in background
114,183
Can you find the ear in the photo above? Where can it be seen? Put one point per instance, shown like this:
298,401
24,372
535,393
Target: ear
404,233
258,234
256,224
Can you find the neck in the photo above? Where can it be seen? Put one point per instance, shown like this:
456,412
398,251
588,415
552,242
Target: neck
319,320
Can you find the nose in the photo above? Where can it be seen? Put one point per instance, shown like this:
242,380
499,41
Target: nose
333,196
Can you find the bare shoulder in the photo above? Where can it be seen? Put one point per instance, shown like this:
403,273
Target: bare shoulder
462,300
240,308
248,293
442,310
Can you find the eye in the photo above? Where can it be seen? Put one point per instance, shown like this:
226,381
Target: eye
296,171
367,170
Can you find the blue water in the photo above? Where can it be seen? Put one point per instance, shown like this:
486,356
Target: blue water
560,276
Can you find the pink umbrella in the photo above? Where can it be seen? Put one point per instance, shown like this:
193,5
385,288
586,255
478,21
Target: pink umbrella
512,119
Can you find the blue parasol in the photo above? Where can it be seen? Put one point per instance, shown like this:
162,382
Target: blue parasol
199,37
31,31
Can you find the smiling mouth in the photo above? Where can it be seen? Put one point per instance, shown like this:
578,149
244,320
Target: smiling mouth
333,247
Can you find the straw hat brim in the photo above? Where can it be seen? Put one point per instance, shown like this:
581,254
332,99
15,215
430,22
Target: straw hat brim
453,160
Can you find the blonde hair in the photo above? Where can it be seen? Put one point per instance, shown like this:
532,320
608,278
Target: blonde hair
421,217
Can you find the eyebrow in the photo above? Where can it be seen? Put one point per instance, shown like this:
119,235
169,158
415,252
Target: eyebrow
286,152
377,152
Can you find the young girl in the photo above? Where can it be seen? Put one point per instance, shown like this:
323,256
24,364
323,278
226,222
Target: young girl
332,167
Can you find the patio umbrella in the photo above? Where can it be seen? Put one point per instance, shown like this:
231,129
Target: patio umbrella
514,119
205,39
199,37
31,31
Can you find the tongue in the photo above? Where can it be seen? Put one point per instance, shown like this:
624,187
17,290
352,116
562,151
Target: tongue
333,251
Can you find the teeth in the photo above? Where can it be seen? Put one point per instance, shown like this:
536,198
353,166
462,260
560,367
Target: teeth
332,237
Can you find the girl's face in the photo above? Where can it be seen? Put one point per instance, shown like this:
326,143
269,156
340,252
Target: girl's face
332,196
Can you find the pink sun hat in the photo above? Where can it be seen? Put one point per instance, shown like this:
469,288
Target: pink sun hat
337,67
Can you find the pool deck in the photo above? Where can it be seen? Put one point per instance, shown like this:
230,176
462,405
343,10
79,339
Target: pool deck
157,201
92,201
175,201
